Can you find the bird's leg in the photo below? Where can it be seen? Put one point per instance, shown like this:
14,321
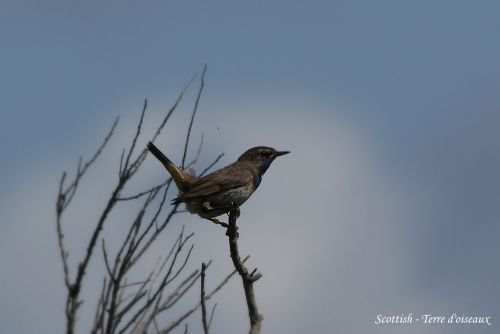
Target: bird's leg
218,222
207,206
231,207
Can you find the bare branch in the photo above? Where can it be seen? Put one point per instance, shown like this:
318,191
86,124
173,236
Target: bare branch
173,211
157,328
182,266
202,300
193,114
212,315
99,310
64,198
60,235
138,243
248,279
199,150
184,316
113,317
124,307
179,292
160,228
146,192
137,133
120,168
197,156
108,268
134,166
156,296
171,110
71,189
211,165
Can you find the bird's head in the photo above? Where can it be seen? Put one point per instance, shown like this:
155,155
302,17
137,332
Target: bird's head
261,156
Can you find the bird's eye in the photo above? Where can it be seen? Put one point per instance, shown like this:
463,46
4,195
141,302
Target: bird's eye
264,153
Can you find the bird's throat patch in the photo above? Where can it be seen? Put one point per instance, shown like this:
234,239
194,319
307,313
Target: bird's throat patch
256,181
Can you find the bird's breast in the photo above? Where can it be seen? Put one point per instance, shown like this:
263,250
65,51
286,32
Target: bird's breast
236,195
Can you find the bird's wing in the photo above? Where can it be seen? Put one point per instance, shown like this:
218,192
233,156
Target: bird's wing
223,179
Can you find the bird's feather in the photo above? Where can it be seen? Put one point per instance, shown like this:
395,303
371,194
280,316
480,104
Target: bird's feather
181,178
226,178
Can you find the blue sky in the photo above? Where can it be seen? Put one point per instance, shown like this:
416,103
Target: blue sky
392,106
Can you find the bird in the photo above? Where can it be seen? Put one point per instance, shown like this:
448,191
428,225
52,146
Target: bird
223,190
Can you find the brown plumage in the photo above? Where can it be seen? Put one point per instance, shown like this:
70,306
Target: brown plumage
181,178
216,193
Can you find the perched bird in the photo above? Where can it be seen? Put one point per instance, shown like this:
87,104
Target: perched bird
217,193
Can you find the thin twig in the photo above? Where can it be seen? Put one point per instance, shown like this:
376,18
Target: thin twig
184,316
212,315
146,192
202,300
177,243
172,299
81,171
99,310
60,235
114,317
211,165
197,156
195,109
152,223
179,292
157,293
108,268
171,110
137,133
153,237
64,198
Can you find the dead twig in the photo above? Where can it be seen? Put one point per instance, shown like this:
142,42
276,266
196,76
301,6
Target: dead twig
202,300
247,278
184,316
195,109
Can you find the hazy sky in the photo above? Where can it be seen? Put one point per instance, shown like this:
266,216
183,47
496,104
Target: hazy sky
388,204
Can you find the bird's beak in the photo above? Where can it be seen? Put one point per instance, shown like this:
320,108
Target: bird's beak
278,153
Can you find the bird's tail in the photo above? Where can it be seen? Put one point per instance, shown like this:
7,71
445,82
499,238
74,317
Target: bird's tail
180,177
